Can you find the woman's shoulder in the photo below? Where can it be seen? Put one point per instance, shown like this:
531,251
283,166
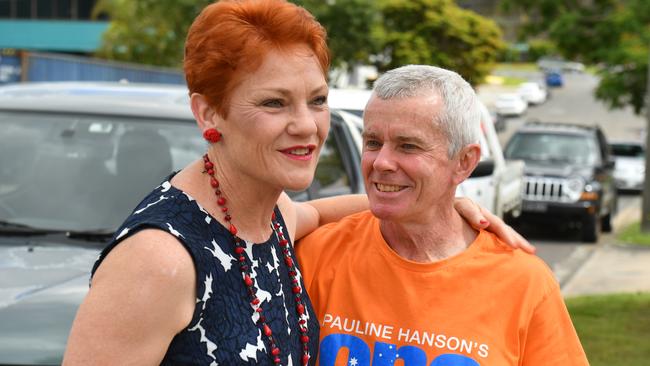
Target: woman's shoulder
151,253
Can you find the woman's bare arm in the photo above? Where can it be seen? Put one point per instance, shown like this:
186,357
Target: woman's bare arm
307,216
141,296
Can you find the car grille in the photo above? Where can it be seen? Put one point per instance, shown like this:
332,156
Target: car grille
545,189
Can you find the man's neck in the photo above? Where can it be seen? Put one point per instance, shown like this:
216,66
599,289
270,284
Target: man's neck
442,236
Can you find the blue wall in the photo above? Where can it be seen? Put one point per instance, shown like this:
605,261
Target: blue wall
50,67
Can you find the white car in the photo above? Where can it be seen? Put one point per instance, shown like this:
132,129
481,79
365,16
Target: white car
510,104
532,92
349,100
629,169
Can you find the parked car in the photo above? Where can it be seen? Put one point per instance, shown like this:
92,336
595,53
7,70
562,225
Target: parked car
350,100
75,158
629,171
553,79
499,121
510,104
495,184
532,92
568,176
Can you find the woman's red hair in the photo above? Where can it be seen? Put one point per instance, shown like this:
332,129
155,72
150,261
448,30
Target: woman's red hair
231,37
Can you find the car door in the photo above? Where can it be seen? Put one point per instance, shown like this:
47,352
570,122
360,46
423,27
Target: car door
339,167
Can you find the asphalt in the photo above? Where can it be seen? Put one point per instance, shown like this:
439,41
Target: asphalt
608,267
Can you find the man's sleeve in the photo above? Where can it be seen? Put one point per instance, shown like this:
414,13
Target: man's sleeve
551,338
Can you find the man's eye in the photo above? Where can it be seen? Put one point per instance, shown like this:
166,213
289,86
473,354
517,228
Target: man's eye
409,147
372,144
273,103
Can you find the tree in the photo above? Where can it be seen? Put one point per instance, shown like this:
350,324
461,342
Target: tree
388,33
438,32
147,31
354,28
153,31
614,34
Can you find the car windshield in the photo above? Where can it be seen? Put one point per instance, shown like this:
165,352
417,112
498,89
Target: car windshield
628,150
553,148
83,172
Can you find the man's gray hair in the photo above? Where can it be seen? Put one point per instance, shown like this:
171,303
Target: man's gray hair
460,118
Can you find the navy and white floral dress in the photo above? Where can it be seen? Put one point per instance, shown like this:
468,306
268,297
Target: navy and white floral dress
224,329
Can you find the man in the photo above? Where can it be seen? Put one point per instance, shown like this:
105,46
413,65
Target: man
410,280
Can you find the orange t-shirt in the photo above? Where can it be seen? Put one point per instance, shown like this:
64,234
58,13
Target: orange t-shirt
489,305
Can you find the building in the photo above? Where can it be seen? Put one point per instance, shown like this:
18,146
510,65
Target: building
52,40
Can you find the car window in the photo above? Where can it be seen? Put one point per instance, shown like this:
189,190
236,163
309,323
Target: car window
627,150
553,148
84,172
331,176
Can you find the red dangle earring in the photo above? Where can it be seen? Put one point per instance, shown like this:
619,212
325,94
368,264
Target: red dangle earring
212,135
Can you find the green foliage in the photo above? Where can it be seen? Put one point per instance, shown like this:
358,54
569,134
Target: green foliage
614,329
615,34
438,32
353,27
388,33
510,54
539,48
147,31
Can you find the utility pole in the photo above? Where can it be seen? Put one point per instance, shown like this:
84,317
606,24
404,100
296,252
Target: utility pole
645,211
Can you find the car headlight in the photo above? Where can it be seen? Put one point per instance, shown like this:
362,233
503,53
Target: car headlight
574,187
592,187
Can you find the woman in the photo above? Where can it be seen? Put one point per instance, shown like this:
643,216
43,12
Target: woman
205,271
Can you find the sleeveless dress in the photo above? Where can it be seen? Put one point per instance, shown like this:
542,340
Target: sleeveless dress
224,329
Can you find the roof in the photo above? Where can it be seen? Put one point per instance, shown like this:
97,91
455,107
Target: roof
557,127
140,100
354,99
52,35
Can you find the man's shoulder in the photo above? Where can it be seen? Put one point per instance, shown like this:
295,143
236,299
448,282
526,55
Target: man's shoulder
347,225
514,262
352,228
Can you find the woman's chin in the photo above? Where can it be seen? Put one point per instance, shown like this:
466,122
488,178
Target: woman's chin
298,184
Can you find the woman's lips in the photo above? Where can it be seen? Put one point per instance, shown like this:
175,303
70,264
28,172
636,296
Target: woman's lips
299,152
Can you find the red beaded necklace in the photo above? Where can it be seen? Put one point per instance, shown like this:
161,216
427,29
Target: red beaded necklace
250,283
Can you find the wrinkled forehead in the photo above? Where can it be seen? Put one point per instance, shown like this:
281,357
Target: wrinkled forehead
403,118
405,111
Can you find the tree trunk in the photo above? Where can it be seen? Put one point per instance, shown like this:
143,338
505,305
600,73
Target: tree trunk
645,212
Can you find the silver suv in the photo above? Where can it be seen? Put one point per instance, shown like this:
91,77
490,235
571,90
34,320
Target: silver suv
75,158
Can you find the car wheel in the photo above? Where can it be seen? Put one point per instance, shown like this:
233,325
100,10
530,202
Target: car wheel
606,223
590,228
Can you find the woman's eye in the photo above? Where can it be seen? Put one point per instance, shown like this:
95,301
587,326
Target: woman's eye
273,103
320,100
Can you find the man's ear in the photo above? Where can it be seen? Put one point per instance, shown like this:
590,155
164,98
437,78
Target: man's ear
204,114
467,159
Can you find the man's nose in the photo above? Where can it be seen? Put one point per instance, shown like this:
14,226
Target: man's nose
385,159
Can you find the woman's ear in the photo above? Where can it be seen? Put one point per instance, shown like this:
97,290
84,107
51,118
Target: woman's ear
205,115
468,158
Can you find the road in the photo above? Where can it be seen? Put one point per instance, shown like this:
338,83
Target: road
575,103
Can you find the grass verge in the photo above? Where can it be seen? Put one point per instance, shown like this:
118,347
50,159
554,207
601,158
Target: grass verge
614,329
632,235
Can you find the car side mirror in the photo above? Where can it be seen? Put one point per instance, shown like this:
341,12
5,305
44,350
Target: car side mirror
483,169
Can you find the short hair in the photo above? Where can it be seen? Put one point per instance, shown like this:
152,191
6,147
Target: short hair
231,37
460,119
